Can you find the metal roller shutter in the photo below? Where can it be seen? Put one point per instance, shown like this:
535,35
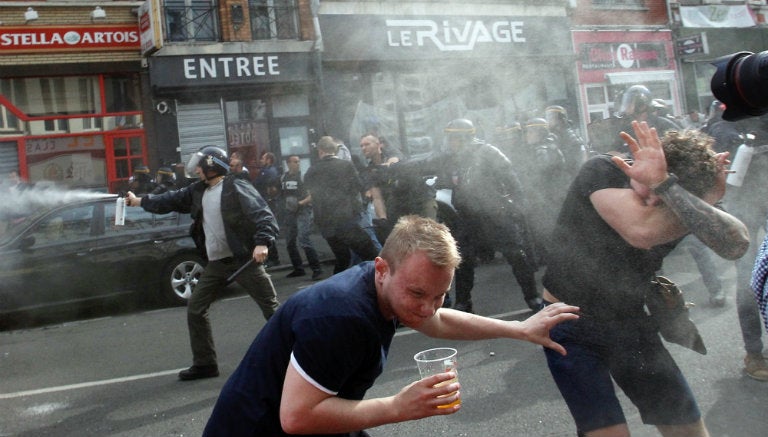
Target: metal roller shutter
9,158
200,124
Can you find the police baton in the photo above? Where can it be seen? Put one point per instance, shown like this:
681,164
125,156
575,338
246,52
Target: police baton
238,271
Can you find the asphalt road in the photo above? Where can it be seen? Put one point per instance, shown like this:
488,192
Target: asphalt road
116,375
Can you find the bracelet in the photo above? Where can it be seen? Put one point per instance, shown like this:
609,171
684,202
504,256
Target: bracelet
664,186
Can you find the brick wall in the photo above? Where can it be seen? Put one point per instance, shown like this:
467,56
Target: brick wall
62,15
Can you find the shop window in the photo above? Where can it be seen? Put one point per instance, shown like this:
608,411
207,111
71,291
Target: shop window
191,20
246,110
129,154
599,105
619,4
291,105
8,121
293,141
273,19
703,73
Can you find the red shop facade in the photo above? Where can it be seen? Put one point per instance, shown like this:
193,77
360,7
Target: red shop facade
608,62
70,104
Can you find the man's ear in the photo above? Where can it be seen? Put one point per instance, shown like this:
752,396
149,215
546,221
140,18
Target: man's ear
381,266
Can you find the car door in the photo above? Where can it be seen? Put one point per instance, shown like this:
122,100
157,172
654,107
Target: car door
132,256
44,266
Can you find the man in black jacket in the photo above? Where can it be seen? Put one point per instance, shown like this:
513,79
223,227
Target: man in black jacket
490,208
232,226
335,191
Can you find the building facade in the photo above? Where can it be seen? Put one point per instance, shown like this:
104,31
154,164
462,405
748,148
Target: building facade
405,69
236,74
70,93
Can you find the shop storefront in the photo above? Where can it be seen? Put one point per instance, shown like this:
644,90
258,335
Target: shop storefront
404,71
247,102
70,104
611,61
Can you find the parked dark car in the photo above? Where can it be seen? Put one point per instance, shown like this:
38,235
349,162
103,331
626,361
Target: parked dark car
74,254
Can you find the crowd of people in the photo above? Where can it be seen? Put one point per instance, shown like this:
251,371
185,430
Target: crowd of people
598,226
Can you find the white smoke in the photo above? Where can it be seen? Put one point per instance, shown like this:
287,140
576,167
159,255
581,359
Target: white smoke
20,202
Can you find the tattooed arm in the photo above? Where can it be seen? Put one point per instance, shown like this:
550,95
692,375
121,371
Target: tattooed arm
720,231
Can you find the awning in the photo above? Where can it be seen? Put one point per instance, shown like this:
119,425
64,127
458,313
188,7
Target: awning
635,77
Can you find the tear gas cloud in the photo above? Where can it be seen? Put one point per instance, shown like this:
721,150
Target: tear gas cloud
13,202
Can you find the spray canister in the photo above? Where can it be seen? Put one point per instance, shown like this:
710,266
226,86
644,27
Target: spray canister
740,165
120,211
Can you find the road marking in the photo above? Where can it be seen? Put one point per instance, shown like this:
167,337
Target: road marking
19,394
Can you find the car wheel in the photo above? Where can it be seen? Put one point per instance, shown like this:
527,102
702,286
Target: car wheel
179,279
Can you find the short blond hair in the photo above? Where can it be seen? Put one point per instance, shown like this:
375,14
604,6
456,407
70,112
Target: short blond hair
328,145
413,233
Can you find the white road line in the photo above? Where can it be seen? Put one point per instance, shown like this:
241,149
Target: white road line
19,394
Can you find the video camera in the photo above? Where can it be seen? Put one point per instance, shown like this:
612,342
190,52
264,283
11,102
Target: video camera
741,82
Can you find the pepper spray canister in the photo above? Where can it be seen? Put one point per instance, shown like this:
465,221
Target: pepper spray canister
120,211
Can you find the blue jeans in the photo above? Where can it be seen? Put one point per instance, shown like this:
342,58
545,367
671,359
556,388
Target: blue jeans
630,352
299,226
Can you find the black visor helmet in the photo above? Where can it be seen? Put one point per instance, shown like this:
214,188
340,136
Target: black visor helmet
555,115
634,101
459,132
211,159
165,175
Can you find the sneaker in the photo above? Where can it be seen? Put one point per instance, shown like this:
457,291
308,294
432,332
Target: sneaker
199,372
296,273
535,304
317,274
755,367
717,299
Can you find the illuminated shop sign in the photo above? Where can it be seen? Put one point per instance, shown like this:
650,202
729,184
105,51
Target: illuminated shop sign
32,39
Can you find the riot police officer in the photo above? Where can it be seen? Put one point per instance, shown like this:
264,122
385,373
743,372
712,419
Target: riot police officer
490,206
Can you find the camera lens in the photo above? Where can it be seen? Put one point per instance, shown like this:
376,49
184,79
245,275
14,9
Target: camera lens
740,83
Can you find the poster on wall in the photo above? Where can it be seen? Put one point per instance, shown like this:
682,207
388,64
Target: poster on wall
75,170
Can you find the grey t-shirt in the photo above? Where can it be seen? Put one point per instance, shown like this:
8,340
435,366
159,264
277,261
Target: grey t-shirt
216,245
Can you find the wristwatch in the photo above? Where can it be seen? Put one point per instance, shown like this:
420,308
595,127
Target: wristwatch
664,186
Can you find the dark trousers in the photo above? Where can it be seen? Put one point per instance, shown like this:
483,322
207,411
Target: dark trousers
256,282
354,238
523,268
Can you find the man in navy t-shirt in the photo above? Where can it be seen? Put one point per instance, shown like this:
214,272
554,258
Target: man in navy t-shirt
309,368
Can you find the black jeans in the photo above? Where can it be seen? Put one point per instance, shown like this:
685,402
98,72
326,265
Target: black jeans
354,238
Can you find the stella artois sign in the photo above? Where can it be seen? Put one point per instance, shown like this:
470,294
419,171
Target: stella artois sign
68,38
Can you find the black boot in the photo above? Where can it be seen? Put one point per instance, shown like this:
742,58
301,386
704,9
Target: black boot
199,372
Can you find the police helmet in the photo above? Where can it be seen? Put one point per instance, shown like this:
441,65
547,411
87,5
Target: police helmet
140,174
211,159
634,101
536,129
165,175
459,132
555,115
